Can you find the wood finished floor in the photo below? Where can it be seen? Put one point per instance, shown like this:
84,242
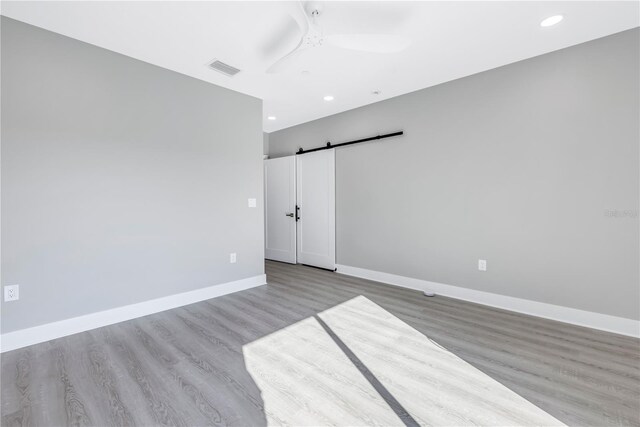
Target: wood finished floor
319,348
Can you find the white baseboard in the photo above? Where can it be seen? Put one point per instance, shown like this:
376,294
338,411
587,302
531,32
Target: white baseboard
604,322
62,328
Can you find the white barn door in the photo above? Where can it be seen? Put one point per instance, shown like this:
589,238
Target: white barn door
280,205
316,188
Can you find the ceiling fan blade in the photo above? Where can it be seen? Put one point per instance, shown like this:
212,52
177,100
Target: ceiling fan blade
376,43
286,62
288,33
303,23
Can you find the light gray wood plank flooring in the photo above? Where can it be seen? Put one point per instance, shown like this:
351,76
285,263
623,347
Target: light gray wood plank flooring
319,348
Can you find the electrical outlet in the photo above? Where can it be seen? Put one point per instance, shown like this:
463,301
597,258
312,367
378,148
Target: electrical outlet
252,203
482,264
12,293
232,258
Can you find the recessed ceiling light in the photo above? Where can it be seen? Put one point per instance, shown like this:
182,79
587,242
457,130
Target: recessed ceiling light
376,92
271,118
328,98
552,20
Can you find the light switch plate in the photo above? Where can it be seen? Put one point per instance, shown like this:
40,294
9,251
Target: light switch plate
252,203
482,264
233,258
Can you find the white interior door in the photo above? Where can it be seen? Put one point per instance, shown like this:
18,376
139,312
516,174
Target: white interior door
280,204
316,183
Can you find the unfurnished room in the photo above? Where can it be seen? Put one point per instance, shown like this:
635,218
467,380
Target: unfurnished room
320,213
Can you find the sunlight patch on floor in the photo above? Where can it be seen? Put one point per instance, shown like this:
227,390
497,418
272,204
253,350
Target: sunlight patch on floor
306,378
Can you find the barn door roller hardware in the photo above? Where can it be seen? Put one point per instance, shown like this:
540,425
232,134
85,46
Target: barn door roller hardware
342,144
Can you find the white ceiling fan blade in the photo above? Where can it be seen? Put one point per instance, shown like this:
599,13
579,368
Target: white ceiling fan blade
286,62
287,35
303,23
376,43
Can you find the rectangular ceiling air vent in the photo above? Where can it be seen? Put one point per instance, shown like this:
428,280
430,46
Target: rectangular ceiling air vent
223,68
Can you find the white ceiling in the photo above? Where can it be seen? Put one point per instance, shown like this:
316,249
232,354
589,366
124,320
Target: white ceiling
449,40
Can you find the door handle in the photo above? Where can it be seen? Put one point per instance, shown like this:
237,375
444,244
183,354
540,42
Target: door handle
290,214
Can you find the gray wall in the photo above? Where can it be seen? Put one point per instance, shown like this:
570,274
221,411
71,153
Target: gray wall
121,181
532,166
265,143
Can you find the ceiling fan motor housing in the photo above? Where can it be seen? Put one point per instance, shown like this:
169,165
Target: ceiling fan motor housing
313,8
314,36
